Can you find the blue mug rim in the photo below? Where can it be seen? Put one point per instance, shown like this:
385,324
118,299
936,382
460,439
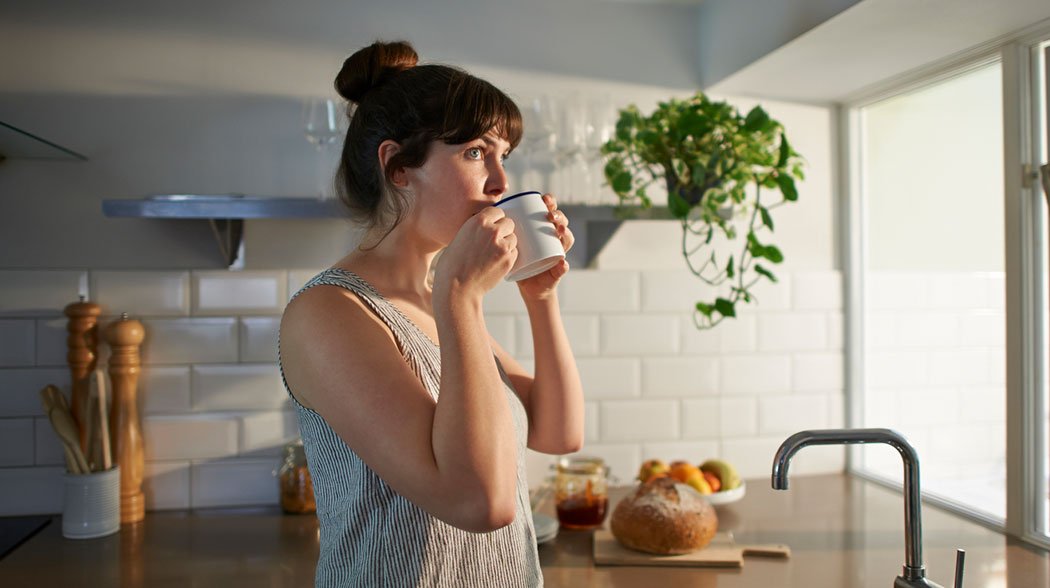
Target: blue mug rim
518,195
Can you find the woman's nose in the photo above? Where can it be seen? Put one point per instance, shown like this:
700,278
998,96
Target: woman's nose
496,184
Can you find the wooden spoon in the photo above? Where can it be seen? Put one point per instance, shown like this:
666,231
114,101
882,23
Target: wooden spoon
64,426
49,401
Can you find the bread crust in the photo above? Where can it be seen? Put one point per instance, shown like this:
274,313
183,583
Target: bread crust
665,518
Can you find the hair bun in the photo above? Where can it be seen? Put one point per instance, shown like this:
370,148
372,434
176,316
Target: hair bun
370,66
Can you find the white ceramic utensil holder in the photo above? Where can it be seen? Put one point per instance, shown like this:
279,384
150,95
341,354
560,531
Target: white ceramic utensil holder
91,504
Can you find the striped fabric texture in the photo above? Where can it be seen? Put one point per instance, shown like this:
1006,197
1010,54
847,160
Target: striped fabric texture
373,536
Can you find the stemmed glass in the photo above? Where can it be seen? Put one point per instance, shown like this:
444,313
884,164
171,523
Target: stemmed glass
324,125
540,120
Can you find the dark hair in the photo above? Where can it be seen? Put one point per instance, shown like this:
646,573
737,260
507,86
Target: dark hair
393,98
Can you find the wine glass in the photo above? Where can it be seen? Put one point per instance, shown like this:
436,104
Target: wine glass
324,125
540,123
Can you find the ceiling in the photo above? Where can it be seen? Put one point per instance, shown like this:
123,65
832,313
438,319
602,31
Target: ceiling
878,40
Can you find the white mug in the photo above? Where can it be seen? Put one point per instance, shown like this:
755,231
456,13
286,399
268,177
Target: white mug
539,248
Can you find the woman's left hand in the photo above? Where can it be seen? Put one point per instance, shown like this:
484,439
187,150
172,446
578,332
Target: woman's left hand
543,284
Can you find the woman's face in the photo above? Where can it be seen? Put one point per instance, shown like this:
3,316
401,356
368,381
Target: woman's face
457,182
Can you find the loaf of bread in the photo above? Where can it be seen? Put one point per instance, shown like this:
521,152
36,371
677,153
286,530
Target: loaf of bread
664,517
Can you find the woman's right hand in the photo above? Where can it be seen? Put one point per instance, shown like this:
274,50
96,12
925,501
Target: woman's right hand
481,254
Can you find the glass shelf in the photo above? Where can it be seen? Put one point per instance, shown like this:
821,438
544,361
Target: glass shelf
16,143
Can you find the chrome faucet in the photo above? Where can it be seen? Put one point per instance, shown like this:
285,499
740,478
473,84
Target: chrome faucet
914,573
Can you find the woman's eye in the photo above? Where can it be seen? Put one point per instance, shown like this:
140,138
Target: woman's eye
474,153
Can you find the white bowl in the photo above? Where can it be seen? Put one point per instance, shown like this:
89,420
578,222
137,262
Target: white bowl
719,498
546,527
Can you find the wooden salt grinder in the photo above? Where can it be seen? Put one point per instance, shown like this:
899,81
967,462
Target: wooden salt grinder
82,358
124,337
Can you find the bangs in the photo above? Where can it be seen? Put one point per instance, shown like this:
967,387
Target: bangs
474,107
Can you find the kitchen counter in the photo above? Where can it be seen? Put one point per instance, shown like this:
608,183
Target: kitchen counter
842,531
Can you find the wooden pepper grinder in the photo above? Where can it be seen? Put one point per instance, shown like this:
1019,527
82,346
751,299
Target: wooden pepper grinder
124,337
82,358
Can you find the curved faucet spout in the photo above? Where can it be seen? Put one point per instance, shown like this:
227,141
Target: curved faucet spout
913,567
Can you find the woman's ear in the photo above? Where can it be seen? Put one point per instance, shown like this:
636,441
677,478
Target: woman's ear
387,150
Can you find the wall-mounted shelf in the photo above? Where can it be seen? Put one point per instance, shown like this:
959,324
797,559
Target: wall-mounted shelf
16,143
592,225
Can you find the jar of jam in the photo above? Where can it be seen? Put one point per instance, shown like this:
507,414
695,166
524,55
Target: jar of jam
581,492
297,489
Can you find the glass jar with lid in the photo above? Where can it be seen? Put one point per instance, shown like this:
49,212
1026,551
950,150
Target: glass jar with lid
581,496
297,489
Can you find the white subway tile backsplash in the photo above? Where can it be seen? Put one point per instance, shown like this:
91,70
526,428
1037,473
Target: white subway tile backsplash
591,422
238,387
166,485
164,389
609,377
981,328
792,332
258,338
739,334
836,331
538,468
623,459
242,292
836,411
816,290
639,420
821,459
702,418
40,292
51,344
699,341
817,372
738,417
641,335
675,291
581,329
790,414
753,458
20,389
679,376
233,482
895,291
505,298
17,342
755,374
247,292
929,405
957,290
600,291
47,448
694,452
770,295
996,284
16,442
959,366
142,293
184,437
502,329
25,491
890,369
265,433
926,329
190,340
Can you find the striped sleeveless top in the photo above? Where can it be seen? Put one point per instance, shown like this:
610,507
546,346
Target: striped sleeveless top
372,536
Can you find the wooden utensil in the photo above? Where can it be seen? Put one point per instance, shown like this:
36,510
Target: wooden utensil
66,429
124,337
99,394
723,552
82,357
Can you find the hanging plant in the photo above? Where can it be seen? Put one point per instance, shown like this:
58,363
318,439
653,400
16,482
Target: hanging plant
725,173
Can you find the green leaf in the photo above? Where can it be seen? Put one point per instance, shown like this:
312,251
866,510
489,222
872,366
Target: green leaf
730,272
756,120
621,182
705,309
678,206
785,151
763,271
787,187
773,254
725,307
767,219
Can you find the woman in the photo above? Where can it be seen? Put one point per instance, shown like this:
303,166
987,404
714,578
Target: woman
415,420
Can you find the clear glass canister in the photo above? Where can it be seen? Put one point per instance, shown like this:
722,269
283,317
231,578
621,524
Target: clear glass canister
581,496
297,489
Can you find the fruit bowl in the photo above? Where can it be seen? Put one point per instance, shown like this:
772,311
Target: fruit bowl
720,498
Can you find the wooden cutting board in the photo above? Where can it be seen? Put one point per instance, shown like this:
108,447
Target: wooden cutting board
721,553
